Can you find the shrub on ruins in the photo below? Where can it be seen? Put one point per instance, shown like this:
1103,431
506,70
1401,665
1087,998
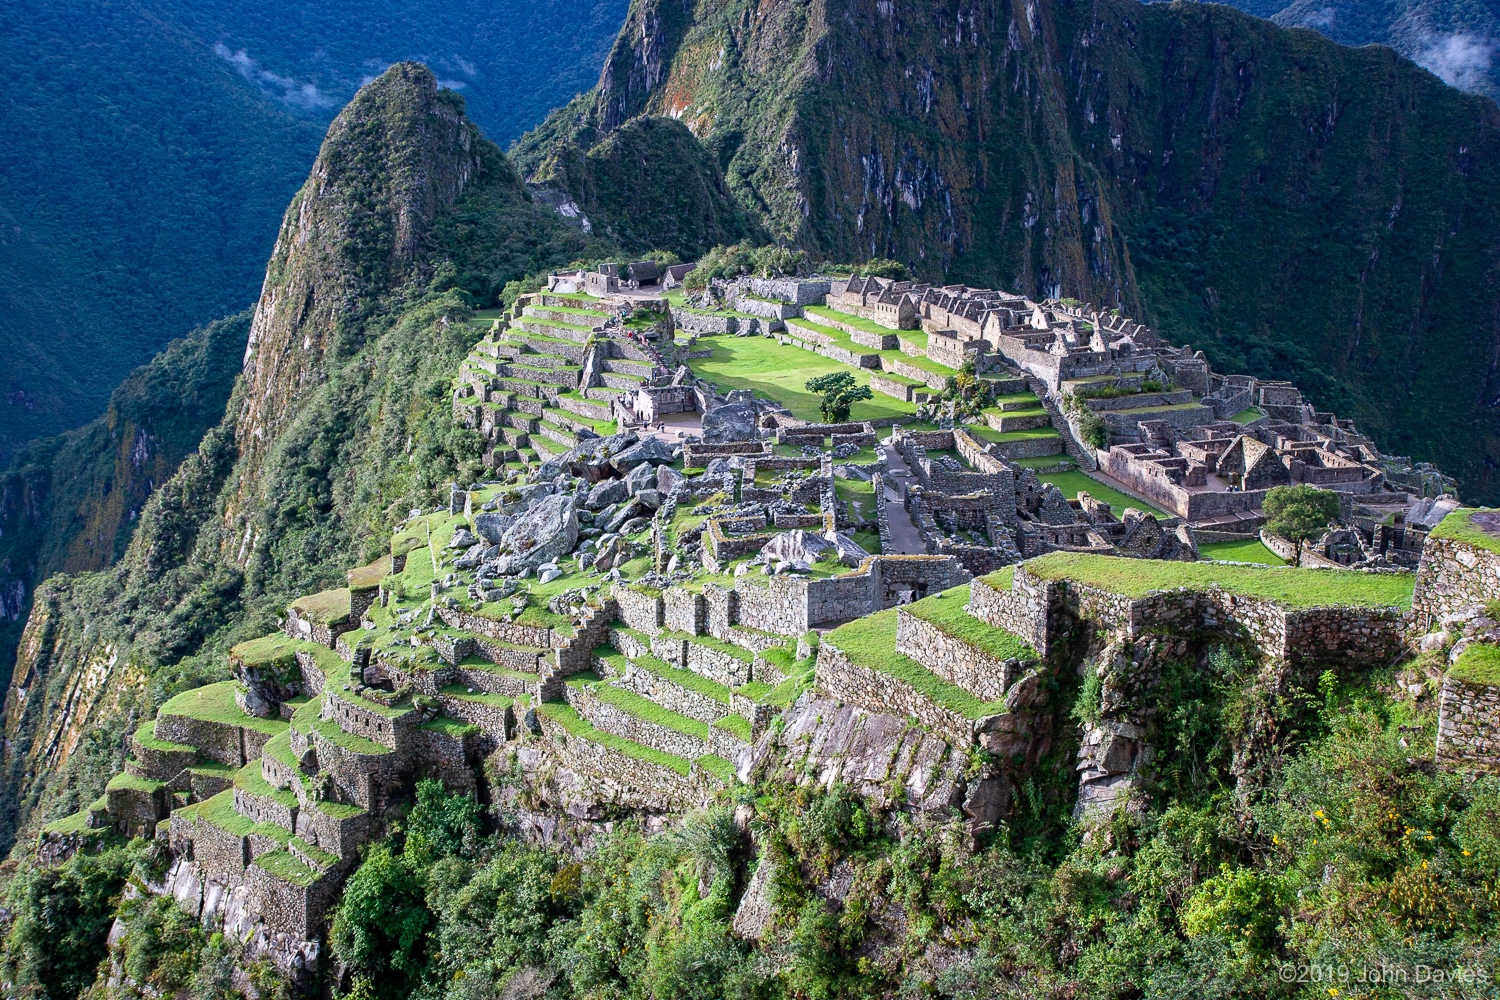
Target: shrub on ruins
381,925
743,259
839,392
1300,513
441,825
1093,429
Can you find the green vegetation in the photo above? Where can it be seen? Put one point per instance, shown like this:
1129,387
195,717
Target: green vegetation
839,392
1477,664
1251,551
283,866
871,642
780,371
454,728
215,703
948,613
1459,527
643,708
1074,483
329,607
696,683
1248,415
146,737
1294,588
1300,513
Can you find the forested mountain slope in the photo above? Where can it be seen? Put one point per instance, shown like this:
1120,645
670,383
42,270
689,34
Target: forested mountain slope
1296,208
1458,40
151,146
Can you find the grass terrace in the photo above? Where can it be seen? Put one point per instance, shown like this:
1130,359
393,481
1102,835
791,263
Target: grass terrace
145,735
455,728
219,811
641,708
573,724
948,613
1074,483
1478,665
1248,415
696,683
1292,588
871,643
281,865
985,432
773,370
330,607
1460,527
250,780
1252,551
215,703
277,650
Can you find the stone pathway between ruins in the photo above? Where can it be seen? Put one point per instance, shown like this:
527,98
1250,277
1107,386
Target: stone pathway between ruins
905,540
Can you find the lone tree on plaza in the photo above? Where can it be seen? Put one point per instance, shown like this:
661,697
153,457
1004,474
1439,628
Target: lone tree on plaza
1300,513
839,392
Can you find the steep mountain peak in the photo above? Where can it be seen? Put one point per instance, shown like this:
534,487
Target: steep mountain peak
397,155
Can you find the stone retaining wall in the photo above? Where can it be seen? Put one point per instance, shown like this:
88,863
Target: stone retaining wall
719,667
292,909
638,783
220,741
607,717
840,678
520,635
1452,577
643,612
1469,725
672,696
683,611
342,836
982,675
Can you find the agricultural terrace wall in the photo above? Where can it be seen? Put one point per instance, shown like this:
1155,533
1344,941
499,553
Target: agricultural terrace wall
984,676
296,910
520,635
1469,725
840,678
1021,611
1452,577
342,835
224,742
637,783
367,779
217,852
497,721
575,654
449,758
1335,634
641,611
723,610
683,611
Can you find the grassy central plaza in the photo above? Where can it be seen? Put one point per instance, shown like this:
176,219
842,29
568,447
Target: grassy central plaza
773,370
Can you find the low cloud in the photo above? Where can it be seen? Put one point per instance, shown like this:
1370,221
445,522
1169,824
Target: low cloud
1459,60
299,94
1321,19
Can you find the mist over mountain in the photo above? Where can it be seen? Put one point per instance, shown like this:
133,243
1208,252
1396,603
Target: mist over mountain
1456,40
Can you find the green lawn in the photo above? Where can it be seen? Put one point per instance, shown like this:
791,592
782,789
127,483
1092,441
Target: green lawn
778,371
1248,415
215,703
1479,665
1459,528
1294,588
1075,482
1251,551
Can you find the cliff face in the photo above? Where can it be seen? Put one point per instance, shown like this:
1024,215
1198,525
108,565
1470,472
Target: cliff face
1298,209
337,422
68,504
